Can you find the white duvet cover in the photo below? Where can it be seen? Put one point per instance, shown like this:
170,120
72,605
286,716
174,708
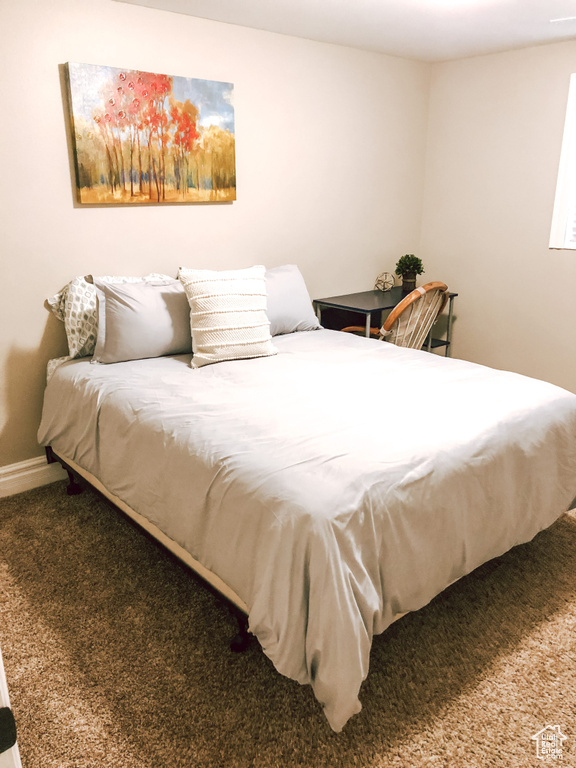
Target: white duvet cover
332,486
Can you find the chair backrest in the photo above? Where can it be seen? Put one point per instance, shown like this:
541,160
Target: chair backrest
410,321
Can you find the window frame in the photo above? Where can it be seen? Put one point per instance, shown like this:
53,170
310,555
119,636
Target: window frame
563,230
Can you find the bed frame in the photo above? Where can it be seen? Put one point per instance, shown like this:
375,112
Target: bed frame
234,603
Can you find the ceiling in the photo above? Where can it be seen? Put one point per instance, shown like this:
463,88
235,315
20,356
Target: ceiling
428,30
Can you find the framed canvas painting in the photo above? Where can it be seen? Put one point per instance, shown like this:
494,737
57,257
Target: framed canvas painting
142,137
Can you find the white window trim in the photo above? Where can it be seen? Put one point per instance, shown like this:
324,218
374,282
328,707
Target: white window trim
563,232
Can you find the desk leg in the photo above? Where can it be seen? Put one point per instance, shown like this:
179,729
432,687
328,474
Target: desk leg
368,318
449,328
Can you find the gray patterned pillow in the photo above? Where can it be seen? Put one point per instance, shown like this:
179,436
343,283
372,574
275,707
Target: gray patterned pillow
75,306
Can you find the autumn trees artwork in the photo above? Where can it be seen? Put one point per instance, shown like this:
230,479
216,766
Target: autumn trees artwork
141,137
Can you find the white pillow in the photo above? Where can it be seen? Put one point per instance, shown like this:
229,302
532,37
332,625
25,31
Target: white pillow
141,320
228,317
289,304
75,306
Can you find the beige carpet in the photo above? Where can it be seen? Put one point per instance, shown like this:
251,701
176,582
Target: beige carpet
116,656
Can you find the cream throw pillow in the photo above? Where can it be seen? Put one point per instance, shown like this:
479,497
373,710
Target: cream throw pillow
228,317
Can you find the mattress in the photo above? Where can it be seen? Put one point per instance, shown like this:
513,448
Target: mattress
332,486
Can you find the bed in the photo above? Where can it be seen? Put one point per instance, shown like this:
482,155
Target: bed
325,487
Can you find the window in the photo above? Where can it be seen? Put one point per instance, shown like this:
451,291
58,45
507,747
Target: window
563,233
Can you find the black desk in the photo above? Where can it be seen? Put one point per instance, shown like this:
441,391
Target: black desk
367,302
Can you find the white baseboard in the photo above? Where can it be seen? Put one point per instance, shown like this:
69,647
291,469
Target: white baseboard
28,474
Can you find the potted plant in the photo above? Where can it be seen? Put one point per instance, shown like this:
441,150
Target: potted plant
408,267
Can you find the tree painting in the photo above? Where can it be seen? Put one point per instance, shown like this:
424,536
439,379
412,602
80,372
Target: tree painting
141,137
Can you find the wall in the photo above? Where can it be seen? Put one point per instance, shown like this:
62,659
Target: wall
495,132
330,162
333,153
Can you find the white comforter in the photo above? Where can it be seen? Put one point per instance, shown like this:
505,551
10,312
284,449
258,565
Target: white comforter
332,486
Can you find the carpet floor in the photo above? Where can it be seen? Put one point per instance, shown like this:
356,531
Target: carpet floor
117,657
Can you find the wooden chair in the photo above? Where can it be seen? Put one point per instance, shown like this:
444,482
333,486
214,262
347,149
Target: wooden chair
409,323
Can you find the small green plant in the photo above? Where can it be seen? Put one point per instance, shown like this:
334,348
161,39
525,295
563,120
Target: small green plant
409,264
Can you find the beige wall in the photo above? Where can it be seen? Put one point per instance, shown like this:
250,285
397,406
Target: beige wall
330,163
495,131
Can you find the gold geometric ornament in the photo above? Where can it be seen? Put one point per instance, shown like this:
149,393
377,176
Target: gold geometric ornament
384,282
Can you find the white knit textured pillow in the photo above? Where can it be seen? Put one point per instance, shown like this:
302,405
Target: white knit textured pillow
228,317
